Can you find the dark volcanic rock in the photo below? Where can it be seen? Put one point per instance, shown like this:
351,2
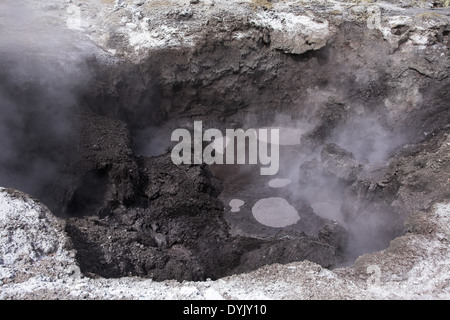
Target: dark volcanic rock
145,214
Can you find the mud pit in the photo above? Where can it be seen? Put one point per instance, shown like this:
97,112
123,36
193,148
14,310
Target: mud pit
170,222
355,113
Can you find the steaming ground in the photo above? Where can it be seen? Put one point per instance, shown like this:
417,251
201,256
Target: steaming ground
359,91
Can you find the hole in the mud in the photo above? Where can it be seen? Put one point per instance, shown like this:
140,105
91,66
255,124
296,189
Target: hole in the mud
172,226
142,215
339,109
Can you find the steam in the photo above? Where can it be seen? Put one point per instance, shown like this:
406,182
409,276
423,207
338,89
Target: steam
326,115
366,144
42,75
367,139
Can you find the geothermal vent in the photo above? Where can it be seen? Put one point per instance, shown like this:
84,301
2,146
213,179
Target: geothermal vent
204,139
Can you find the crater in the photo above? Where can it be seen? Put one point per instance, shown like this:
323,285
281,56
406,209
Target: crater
351,114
